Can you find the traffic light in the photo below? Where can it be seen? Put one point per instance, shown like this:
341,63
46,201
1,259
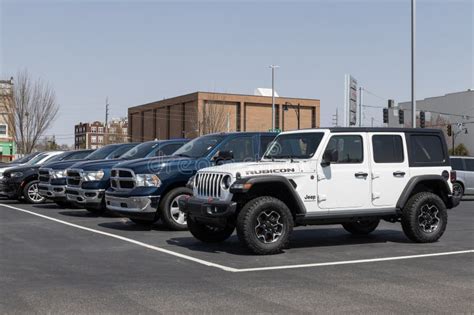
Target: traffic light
385,115
449,130
401,117
422,119
391,103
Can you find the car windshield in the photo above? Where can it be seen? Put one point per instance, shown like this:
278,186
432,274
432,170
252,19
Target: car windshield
36,159
140,151
26,158
199,147
121,150
102,153
294,146
78,155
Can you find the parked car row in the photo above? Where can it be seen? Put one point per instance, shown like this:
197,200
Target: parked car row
350,176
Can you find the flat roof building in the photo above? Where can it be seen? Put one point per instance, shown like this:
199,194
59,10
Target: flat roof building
199,113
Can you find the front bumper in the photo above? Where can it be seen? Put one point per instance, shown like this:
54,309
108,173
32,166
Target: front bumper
140,207
85,196
208,211
10,188
52,191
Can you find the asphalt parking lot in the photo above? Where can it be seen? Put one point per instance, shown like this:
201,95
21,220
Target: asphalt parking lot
57,260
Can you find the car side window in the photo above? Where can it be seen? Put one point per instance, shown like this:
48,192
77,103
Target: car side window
168,149
265,142
469,165
387,148
428,149
347,149
456,164
241,147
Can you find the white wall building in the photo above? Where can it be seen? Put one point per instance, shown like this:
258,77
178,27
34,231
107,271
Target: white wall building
452,108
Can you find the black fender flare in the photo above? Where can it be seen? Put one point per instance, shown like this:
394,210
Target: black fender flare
414,181
239,187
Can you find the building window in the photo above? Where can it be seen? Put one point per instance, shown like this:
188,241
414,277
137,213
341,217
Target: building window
94,129
101,129
100,139
124,131
112,130
93,139
3,129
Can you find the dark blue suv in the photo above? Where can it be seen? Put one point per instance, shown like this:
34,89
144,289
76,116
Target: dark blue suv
148,189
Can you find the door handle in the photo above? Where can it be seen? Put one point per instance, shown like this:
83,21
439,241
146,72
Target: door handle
361,175
398,174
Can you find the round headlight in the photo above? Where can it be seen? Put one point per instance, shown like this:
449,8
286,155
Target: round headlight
226,181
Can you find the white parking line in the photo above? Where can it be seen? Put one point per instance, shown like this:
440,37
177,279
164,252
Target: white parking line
231,269
126,239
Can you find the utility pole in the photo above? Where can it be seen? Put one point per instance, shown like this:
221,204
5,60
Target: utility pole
273,67
372,122
228,122
360,106
106,129
413,25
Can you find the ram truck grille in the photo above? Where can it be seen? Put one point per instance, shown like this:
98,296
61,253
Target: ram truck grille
43,176
122,179
74,178
209,185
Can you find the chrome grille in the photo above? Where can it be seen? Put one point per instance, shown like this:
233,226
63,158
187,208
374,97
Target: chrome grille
209,184
122,179
43,175
74,177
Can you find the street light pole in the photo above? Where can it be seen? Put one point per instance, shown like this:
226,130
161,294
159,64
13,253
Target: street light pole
413,25
273,67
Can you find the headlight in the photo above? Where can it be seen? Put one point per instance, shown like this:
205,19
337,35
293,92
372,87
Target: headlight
226,182
57,173
16,174
147,180
93,175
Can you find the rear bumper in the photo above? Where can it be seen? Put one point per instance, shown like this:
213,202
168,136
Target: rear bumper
85,196
214,212
52,191
139,207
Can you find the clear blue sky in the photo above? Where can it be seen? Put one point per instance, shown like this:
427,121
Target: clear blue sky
138,52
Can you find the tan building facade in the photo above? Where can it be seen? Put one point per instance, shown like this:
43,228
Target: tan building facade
94,135
199,113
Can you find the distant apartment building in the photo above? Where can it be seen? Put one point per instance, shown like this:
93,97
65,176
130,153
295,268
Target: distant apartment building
455,109
195,114
7,128
95,135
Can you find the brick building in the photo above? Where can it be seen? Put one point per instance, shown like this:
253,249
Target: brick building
7,129
191,115
94,135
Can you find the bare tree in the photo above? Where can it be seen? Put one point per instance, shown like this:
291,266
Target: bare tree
211,119
34,110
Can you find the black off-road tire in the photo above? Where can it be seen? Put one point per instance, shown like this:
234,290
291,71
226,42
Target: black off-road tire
27,194
362,227
164,209
208,234
247,224
413,211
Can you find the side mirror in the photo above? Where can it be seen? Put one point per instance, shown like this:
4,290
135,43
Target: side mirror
328,157
222,156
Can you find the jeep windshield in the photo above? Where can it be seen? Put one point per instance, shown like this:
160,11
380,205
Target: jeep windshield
199,147
294,146
140,151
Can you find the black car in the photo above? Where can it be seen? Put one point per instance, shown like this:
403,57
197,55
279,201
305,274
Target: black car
22,182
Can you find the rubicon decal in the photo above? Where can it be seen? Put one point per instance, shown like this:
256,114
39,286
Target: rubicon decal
271,171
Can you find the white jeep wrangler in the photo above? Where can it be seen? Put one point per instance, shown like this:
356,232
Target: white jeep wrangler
349,176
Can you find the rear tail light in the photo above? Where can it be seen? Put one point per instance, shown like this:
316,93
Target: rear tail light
452,176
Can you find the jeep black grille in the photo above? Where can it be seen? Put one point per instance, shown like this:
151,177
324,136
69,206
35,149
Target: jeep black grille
73,178
43,175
